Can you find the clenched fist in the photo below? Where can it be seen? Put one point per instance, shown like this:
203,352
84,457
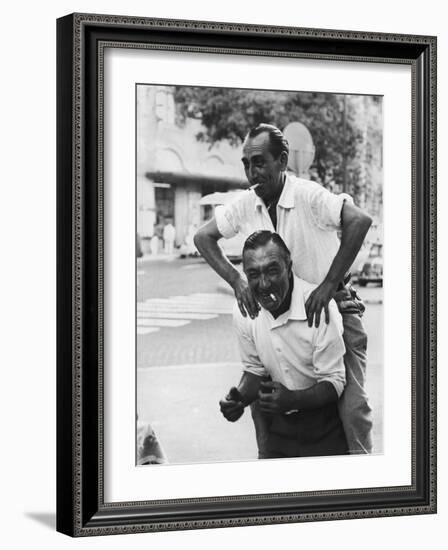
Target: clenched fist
232,406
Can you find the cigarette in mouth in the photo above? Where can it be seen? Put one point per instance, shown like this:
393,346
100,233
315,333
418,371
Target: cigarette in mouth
254,186
272,297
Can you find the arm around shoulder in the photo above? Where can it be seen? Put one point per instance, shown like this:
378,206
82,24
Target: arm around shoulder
353,215
208,231
354,224
206,241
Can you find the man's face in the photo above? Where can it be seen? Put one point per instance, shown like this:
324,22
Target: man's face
268,274
261,167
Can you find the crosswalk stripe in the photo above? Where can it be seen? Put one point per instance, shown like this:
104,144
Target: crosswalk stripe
191,266
207,303
204,295
145,369
178,311
162,322
146,330
189,309
174,315
200,299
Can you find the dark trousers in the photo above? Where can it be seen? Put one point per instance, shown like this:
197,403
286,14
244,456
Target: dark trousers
317,432
354,407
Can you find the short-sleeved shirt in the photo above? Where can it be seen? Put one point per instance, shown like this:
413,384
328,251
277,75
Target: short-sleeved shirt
286,348
308,217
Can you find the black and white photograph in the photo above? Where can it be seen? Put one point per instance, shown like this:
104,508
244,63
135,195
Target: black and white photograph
259,274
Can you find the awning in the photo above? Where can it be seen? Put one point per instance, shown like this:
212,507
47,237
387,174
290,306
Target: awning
208,183
213,199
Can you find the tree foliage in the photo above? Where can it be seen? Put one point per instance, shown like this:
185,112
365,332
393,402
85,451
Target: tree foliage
337,124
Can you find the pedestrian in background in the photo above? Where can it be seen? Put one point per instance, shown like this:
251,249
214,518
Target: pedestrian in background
169,234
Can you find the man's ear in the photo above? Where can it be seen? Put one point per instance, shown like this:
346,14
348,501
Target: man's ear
283,160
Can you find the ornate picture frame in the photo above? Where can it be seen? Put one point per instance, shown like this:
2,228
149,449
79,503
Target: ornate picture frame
81,506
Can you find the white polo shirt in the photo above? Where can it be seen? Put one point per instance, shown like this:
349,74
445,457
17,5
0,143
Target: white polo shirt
308,216
286,348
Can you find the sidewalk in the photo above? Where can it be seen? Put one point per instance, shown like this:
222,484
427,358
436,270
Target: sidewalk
181,403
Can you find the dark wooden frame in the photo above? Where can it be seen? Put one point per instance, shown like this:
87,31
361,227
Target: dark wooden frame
81,510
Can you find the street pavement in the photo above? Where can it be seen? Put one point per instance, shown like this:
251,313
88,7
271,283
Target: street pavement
187,359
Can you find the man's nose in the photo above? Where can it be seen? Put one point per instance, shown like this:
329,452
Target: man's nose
265,283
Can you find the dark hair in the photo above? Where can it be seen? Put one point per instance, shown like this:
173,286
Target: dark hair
278,142
263,237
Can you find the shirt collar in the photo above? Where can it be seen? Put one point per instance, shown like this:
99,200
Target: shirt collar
286,199
296,311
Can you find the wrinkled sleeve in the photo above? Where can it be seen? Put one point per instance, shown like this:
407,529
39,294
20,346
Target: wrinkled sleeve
326,207
227,219
329,350
248,353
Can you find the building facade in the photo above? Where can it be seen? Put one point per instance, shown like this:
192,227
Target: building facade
174,169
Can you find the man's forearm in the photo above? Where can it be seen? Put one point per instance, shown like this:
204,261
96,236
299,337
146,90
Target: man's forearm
354,231
206,241
211,251
319,395
248,387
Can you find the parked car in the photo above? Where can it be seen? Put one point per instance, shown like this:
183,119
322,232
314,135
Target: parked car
372,269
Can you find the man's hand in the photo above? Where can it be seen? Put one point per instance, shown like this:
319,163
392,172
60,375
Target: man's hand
275,398
206,241
245,299
317,301
232,406
354,224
